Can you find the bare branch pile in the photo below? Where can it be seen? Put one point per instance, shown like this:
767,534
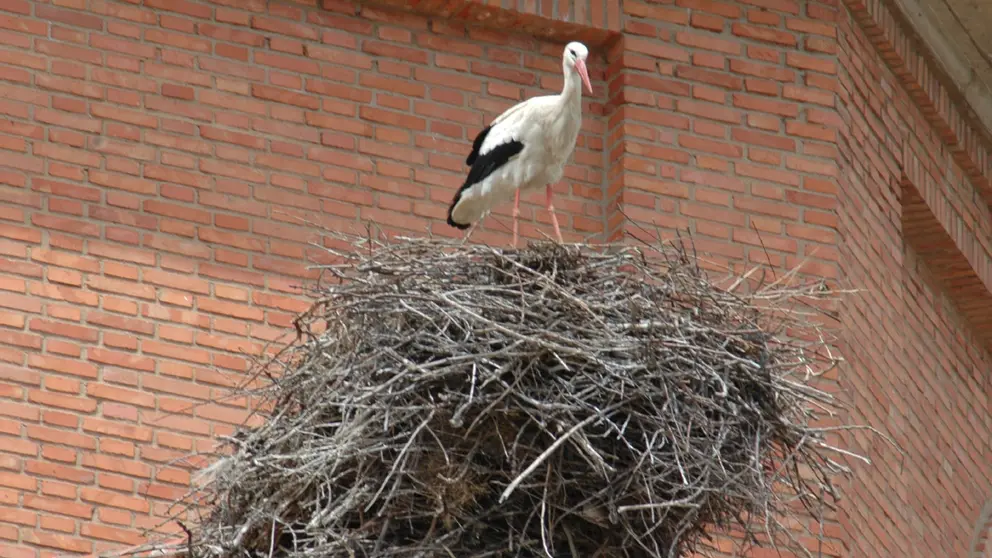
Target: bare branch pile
463,401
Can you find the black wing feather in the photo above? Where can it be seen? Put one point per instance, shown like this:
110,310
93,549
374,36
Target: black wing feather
483,166
477,145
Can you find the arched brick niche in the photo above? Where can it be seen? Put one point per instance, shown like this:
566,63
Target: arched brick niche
981,541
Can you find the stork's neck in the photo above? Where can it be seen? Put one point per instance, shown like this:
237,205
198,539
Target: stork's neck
571,92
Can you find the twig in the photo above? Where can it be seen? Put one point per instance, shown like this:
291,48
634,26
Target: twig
431,379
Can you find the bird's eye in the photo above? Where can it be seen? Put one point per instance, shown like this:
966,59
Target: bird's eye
572,52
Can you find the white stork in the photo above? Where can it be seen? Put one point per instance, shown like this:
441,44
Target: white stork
524,148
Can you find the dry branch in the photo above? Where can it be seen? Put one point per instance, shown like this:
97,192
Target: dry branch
463,401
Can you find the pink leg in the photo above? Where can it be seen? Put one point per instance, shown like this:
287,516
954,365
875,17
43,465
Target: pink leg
554,220
516,216
470,230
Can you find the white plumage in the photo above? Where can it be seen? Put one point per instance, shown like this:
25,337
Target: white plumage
524,149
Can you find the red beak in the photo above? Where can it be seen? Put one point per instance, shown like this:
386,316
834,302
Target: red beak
580,65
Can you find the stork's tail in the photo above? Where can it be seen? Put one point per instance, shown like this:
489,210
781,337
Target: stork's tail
457,225
461,212
451,211
476,196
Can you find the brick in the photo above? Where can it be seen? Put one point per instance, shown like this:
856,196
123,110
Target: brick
708,110
59,419
64,330
229,136
448,79
177,92
62,365
60,524
805,62
19,482
66,402
766,105
119,322
767,208
284,28
177,40
65,120
115,465
114,499
811,166
808,95
229,239
179,108
231,51
719,79
175,387
230,170
761,86
120,287
767,71
810,131
708,42
663,188
118,535
228,309
392,118
16,6
657,84
110,428
15,516
115,447
182,7
231,34
51,505
64,543
175,351
66,51
710,146
62,472
402,87
288,63
764,34
338,56
657,13
707,21
103,42
763,139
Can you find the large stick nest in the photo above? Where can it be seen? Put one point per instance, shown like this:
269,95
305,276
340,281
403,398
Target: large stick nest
462,401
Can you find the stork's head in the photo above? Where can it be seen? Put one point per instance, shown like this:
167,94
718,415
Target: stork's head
574,60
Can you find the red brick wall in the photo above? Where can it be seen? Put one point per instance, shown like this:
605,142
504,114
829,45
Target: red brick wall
160,165
162,160
725,123
911,210
981,541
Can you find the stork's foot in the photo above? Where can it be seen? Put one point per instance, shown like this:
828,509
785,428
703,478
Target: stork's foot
554,219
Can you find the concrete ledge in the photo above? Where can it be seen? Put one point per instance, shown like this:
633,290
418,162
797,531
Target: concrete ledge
594,22
981,540
915,69
949,45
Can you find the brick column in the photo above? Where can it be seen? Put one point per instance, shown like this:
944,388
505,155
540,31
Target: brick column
725,124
